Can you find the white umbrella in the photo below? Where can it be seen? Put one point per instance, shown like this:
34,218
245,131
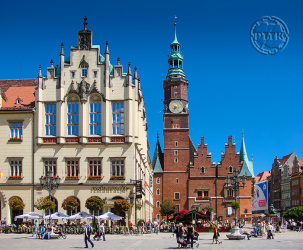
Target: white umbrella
109,216
56,216
30,216
80,215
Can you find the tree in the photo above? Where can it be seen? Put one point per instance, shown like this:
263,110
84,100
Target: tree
94,203
294,213
16,204
168,207
235,205
70,204
121,206
40,203
49,205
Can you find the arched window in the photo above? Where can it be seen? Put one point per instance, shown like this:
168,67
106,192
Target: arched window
158,203
202,170
230,169
158,191
95,115
158,180
73,116
158,217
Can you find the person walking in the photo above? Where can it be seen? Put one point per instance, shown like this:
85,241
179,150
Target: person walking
179,231
190,234
36,230
216,235
87,232
102,231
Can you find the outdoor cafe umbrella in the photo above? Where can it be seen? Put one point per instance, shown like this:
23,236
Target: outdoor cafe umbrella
80,215
29,216
109,216
56,216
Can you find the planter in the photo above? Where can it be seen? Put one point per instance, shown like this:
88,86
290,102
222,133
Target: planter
94,178
72,178
118,178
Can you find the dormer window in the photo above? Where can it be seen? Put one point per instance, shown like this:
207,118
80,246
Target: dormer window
84,71
18,101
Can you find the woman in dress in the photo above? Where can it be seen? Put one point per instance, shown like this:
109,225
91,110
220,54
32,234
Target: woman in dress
179,231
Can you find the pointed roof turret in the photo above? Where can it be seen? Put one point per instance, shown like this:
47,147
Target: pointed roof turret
106,48
157,162
62,51
175,59
129,72
247,167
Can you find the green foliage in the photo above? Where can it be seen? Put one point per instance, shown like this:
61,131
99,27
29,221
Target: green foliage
210,209
168,207
94,203
70,204
294,213
235,205
49,205
16,204
121,206
40,203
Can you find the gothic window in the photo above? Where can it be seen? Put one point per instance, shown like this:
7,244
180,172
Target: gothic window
95,167
176,144
117,168
202,170
158,191
73,118
230,169
158,180
50,119
50,165
15,168
95,116
84,70
176,152
15,130
158,203
177,180
176,160
72,168
118,118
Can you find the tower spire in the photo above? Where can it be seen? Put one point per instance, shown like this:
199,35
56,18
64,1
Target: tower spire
175,59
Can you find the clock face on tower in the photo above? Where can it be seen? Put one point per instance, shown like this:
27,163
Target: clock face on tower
175,106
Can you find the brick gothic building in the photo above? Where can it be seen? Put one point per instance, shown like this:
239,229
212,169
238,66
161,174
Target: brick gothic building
184,174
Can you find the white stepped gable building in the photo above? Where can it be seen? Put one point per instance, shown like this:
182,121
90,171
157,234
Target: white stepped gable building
91,130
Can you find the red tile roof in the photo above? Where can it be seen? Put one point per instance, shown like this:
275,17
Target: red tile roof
5,84
301,161
262,176
22,89
284,159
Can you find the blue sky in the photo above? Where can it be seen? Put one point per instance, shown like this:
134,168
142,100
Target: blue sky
231,85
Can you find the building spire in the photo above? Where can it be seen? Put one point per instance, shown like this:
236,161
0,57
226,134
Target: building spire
106,48
129,73
175,59
62,51
243,154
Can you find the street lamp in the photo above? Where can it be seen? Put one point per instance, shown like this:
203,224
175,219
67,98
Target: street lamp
235,183
49,182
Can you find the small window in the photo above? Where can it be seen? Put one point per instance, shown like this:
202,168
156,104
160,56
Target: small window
176,152
175,94
158,191
230,169
73,74
177,196
158,180
158,203
18,101
176,144
158,217
176,160
15,130
202,170
95,73
177,180
84,71
177,208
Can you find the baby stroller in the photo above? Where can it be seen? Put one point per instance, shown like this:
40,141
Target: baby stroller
255,232
195,241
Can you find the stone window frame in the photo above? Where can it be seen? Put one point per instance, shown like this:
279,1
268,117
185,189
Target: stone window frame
90,166
72,167
50,163
158,180
177,196
158,204
202,171
95,115
15,167
15,130
118,124
158,191
50,109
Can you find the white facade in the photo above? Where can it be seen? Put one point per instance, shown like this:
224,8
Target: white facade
91,131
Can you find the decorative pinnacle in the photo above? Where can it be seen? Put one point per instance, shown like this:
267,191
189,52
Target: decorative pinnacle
52,62
40,74
118,61
135,75
85,23
62,51
106,48
129,70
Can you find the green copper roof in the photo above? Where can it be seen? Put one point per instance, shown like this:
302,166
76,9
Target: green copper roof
247,167
175,41
157,162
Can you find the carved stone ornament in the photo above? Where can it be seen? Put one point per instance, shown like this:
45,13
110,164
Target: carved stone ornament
84,40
